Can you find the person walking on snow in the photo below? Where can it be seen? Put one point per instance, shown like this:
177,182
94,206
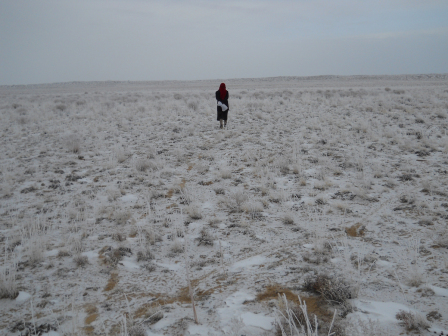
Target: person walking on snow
222,96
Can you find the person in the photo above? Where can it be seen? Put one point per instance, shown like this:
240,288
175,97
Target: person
222,96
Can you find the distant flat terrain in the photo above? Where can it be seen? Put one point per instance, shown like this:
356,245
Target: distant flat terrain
331,188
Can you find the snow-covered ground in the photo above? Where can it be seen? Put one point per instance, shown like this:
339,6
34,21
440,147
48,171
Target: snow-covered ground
111,191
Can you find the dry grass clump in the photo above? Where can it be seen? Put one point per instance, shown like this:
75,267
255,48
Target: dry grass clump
202,168
235,200
118,236
12,243
225,173
112,194
145,255
80,260
177,246
214,222
288,218
358,259
137,330
205,238
121,217
219,191
194,212
412,321
293,320
8,283
441,114
155,194
332,289
152,237
36,250
254,209
120,154
63,253
340,205
283,167
315,258
116,255
186,196
193,105
415,277
323,185
442,238
141,165
73,143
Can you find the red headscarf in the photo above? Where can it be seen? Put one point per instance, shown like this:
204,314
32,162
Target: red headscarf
222,91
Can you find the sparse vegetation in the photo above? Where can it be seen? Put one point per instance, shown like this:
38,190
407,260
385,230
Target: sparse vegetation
329,190
412,321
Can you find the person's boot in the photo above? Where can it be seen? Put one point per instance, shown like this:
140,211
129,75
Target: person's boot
220,124
225,124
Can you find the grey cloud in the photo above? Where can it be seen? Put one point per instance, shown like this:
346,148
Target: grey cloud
52,41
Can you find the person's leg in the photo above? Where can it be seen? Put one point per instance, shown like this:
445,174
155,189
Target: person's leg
225,119
219,117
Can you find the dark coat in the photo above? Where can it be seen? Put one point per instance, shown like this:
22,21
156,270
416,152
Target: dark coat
223,101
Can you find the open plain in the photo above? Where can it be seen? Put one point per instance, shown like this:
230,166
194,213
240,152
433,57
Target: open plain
122,200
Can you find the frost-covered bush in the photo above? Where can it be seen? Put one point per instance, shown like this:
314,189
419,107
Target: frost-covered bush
288,218
141,165
293,320
36,247
8,282
205,238
80,260
145,254
73,143
236,199
412,321
120,154
194,212
414,277
225,173
122,216
333,289
177,246
193,105
253,209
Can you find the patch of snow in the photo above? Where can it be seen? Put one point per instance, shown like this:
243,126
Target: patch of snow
51,253
129,198
439,291
201,330
51,333
235,309
336,260
91,254
208,205
253,261
129,264
384,263
383,311
258,320
23,296
163,323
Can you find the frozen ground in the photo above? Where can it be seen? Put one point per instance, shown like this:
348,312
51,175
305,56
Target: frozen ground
110,191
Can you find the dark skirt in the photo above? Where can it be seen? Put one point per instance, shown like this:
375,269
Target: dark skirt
222,114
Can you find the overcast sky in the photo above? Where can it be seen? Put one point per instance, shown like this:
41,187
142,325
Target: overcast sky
45,41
